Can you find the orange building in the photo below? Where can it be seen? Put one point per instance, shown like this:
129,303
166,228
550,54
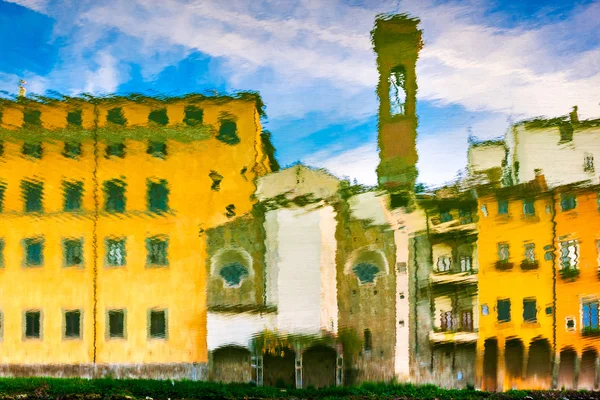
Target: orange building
577,247
516,287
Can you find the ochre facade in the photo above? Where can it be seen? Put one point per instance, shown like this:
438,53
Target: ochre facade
203,174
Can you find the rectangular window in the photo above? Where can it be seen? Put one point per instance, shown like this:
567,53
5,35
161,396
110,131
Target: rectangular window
33,193
228,132
503,310
528,207
157,248
445,216
569,254
447,321
73,324
193,116
465,216
157,149
397,95
2,191
115,150
116,116
114,196
158,196
33,324
588,162
466,320
73,194
116,323
368,340
444,263
590,316
530,253
73,252
75,118
158,324
529,310
503,252
568,201
34,252
502,207
1,253
115,252
72,150
33,150
466,264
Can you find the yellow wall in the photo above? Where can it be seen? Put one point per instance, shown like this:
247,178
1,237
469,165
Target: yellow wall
514,284
179,288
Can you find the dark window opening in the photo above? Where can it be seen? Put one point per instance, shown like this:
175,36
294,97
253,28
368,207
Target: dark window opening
159,117
73,250
34,252
73,324
193,116
503,207
566,132
114,196
465,215
157,251
503,310
216,180
1,147
33,193
32,118
2,191
228,132
398,200
368,340
33,324
74,118
33,150
157,149
158,196
568,201
1,253
230,211
115,150
116,323
233,274
445,215
72,150
528,207
73,195
529,310
158,324
116,116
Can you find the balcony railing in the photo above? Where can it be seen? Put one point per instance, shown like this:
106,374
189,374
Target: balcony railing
503,265
527,265
569,273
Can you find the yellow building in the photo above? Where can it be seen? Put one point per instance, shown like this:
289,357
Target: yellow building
515,287
577,247
103,205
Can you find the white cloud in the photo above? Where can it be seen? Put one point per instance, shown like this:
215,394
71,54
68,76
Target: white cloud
359,163
105,79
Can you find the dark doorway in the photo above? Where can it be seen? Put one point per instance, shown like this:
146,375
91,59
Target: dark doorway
490,365
539,368
318,367
280,371
513,357
231,364
587,370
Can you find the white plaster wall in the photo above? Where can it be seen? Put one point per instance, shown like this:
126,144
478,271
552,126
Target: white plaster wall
560,163
299,270
485,157
236,329
367,206
329,305
271,227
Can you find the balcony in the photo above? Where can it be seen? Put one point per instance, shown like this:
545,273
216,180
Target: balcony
527,265
504,265
453,336
453,277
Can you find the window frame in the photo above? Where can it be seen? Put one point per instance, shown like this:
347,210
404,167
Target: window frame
165,313
72,187
80,242
40,337
568,202
118,239
504,301
158,238
25,243
122,195
529,301
27,189
108,325
529,211
163,185
65,336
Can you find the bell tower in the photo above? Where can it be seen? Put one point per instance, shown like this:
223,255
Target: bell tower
397,40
